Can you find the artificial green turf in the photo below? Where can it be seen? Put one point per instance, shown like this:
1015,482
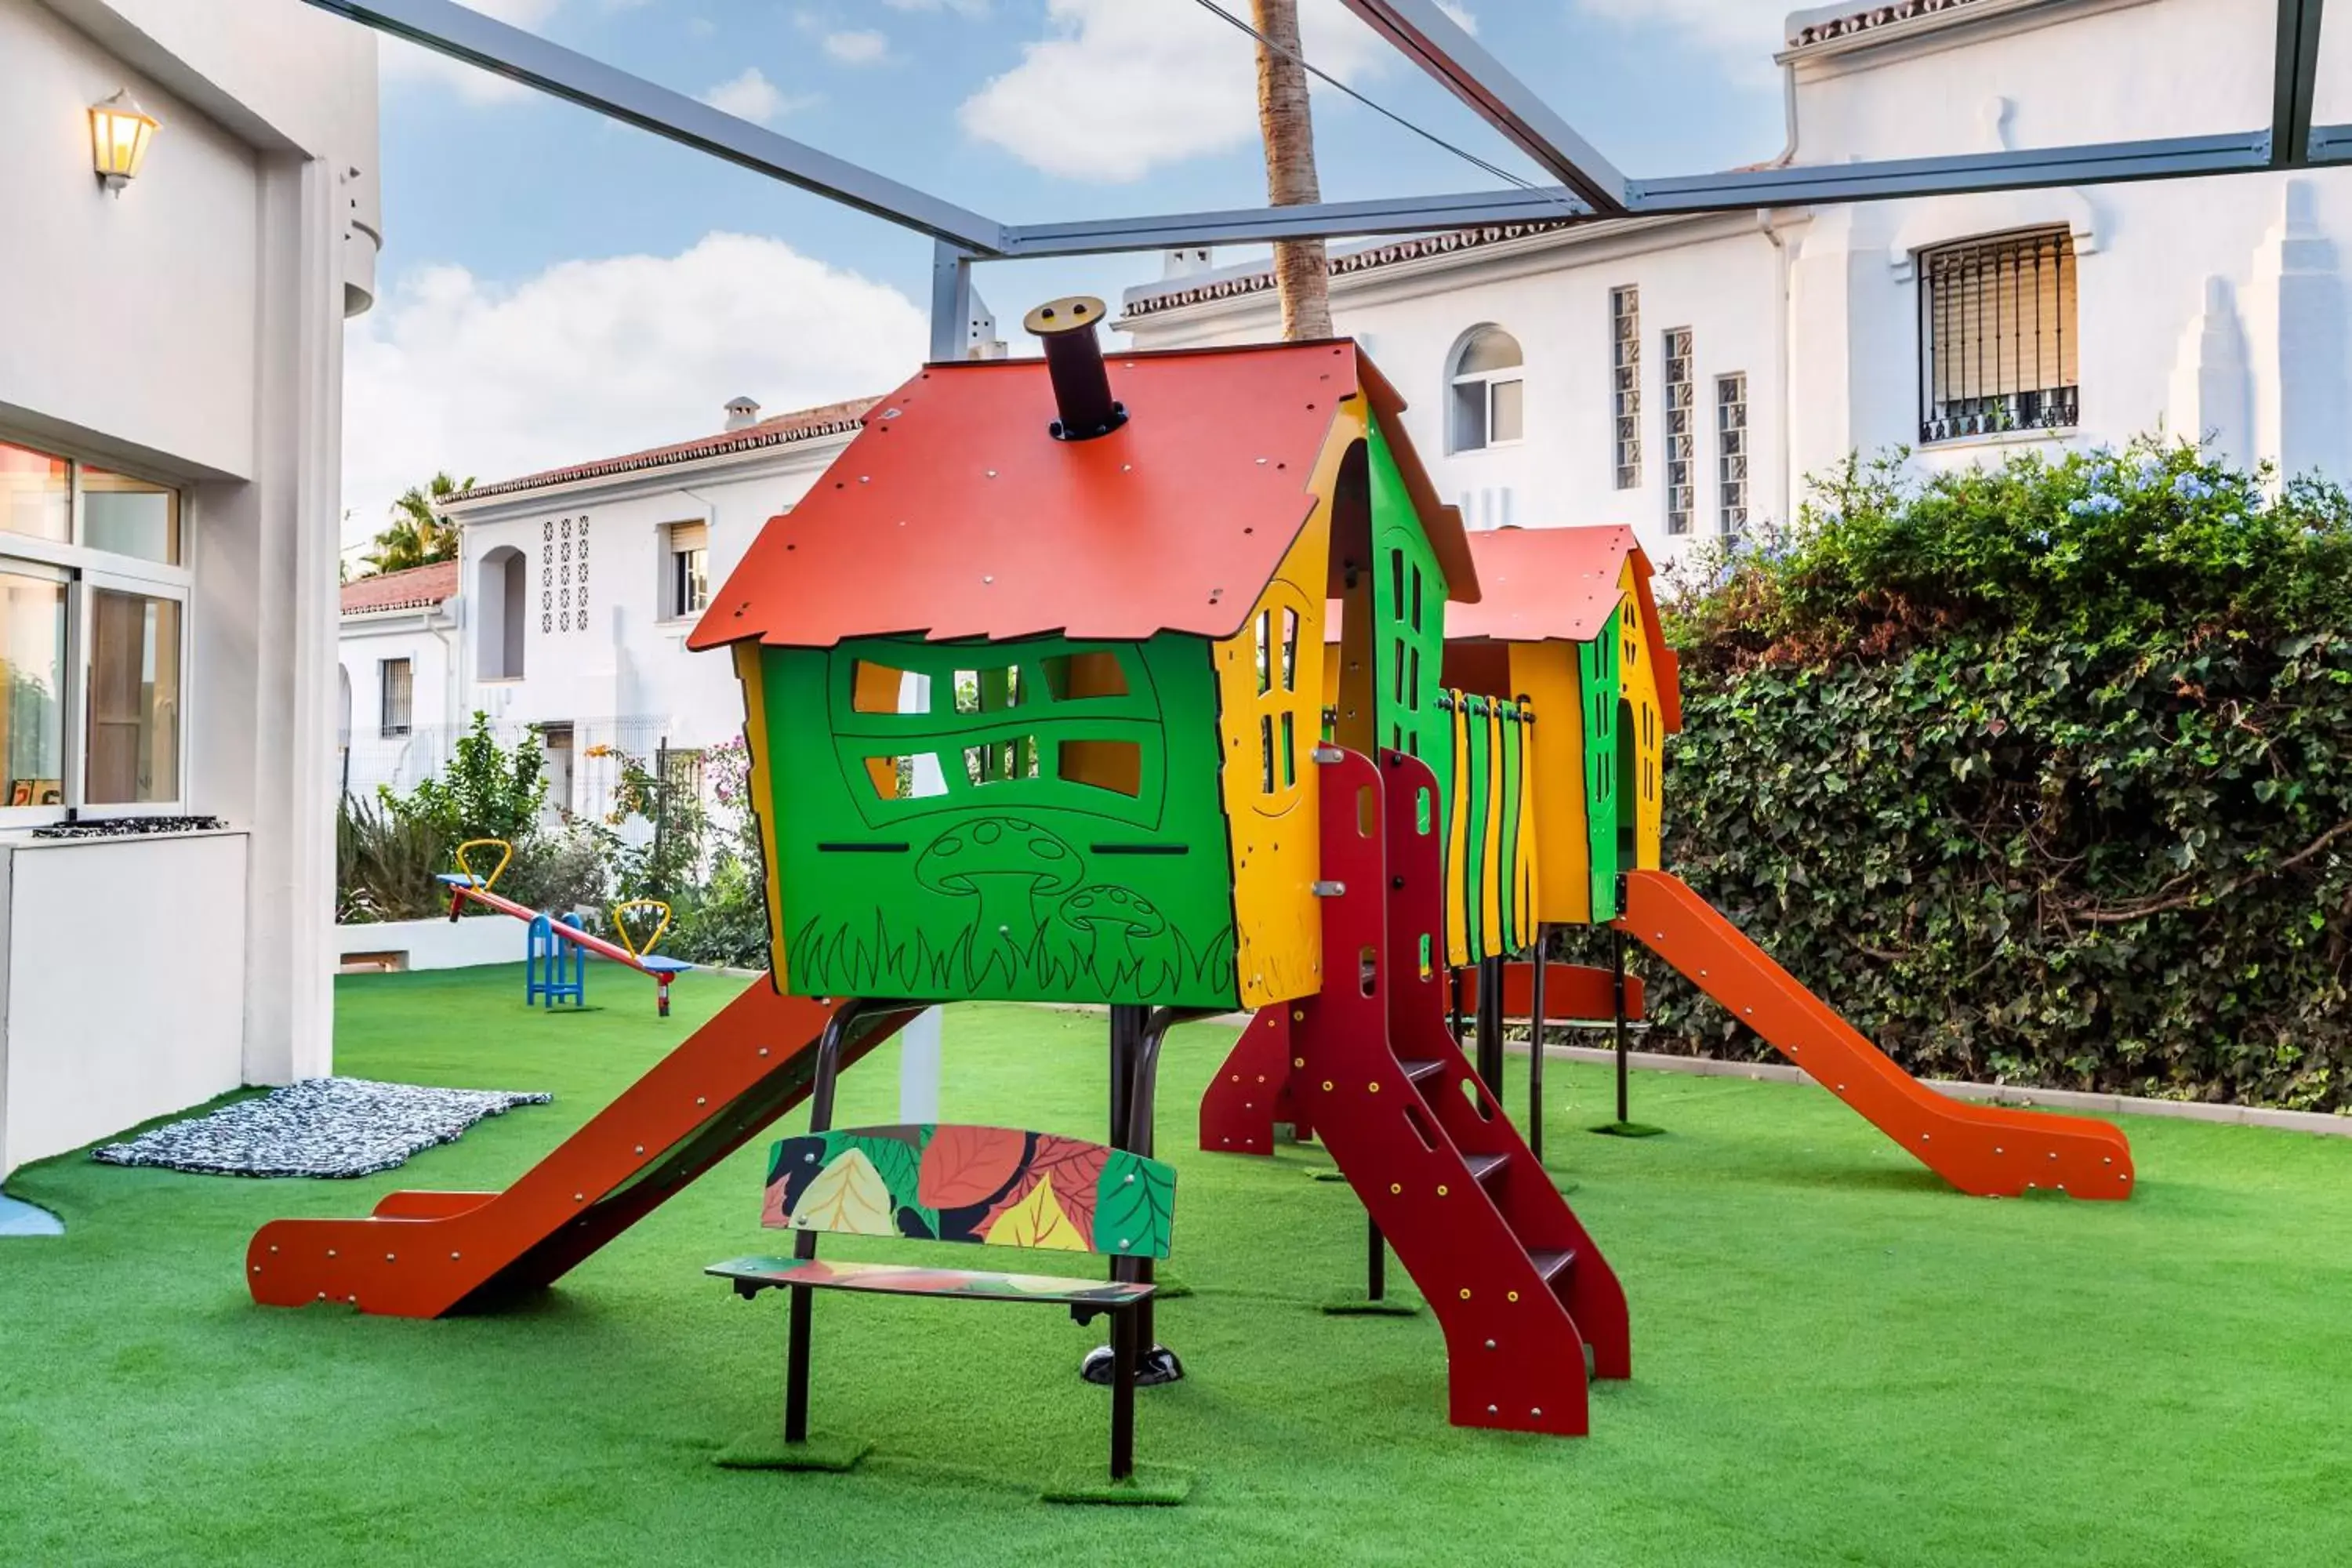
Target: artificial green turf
1837,1359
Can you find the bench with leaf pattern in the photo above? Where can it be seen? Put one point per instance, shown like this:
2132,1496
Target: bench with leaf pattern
993,1186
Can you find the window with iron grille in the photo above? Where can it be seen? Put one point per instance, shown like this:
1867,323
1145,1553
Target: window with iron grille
1625,383
1998,345
1682,432
397,687
1731,455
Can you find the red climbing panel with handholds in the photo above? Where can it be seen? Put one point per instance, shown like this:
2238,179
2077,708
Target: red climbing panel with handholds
1514,1279
1251,1092
1992,1150
427,1254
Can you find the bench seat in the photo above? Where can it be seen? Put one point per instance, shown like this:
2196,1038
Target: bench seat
753,1275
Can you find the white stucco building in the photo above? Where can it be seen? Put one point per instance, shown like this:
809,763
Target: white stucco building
170,426
569,608
1684,374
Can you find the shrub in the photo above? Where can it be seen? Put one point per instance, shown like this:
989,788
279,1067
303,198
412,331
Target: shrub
385,865
2037,773
488,791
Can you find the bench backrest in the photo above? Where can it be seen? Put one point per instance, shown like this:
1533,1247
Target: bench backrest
997,1186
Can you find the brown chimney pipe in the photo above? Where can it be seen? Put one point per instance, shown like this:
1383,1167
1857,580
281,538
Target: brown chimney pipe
1073,360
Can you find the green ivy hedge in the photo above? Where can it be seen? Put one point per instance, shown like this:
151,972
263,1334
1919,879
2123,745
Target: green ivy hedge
2041,774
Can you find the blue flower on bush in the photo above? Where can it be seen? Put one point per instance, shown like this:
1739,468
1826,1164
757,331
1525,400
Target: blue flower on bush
2096,504
2102,474
2188,487
2148,472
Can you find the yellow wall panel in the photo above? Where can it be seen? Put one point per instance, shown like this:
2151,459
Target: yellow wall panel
762,802
1546,674
1270,687
1637,682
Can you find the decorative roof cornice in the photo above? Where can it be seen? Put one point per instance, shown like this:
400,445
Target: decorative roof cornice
1808,28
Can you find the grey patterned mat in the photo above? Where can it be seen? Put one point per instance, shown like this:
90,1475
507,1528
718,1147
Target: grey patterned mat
319,1127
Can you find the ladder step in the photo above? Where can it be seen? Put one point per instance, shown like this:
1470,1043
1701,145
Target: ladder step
1485,1165
1551,1265
1420,1069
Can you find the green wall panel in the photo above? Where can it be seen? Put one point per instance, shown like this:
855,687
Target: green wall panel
1408,623
1596,664
1011,881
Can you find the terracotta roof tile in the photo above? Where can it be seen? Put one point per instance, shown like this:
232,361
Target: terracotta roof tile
833,418
419,587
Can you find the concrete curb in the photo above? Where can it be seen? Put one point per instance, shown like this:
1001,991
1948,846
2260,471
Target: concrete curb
2324,1124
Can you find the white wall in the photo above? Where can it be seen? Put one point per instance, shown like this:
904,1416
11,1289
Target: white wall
630,662
191,331
428,640
439,943
137,973
2216,305
2150,257
1718,277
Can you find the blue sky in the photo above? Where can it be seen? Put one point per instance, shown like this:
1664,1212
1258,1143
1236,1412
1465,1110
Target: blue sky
556,287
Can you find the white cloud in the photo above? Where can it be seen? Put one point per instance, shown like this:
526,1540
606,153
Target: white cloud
1747,32
1120,87
1460,15
960,7
592,359
753,96
406,62
864,46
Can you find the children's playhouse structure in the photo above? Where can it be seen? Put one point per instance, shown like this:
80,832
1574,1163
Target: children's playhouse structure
1228,713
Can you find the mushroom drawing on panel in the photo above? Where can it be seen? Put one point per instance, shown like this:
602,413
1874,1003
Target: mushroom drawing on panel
1006,863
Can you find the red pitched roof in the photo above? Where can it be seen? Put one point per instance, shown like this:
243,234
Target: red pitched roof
1559,584
955,515
419,587
833,418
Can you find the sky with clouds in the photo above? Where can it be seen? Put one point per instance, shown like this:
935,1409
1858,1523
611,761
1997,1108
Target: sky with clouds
556,287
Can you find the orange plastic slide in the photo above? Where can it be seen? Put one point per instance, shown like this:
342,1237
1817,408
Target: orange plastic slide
426,1254
1987,1150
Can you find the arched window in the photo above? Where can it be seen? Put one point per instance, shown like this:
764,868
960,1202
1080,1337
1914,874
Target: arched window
1486,387
500,612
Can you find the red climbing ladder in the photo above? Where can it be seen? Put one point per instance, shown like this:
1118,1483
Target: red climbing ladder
1513,1277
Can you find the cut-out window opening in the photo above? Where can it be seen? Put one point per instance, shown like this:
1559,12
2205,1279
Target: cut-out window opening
1002,761
1265,752
1264,652
1412,687
1290,650
1289,751
1398,678
1113,766
874,688
1075,676
1396,585
1416,599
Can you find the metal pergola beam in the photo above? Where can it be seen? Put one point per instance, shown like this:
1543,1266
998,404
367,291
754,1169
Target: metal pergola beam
1425,35
1591,189
2178,157
2296,82
466,35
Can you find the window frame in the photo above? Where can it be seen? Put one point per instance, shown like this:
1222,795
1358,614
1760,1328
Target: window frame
385,729
85,570
1625,386
1725,527
1458,380
2059,405
673,588
1678,348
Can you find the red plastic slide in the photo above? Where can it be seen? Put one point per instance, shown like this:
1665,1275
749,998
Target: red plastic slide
1987,1150
427,1254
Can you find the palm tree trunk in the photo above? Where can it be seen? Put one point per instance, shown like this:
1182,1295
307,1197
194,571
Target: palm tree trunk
1301,277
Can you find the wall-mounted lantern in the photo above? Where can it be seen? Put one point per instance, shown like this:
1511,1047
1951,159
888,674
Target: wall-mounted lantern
119,133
